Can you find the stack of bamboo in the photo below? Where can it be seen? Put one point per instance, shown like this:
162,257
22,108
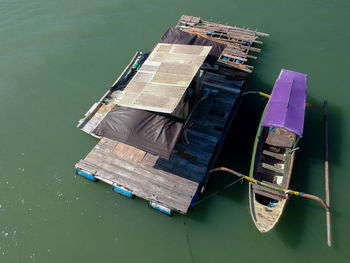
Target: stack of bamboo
240,41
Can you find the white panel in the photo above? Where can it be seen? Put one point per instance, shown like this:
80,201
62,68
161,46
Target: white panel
164,77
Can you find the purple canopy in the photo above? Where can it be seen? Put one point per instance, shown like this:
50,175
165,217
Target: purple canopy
286,108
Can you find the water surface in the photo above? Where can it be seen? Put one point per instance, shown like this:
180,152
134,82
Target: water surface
58,57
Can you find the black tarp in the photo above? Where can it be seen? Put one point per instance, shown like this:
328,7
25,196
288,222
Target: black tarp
177,36
151,132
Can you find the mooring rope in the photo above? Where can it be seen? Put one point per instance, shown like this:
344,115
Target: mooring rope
188,243
218,191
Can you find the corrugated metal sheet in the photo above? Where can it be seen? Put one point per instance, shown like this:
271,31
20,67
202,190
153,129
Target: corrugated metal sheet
162,80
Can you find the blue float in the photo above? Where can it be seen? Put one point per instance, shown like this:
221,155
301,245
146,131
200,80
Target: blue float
161,208
122,191
86,175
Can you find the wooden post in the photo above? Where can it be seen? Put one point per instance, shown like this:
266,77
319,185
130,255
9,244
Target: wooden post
326,167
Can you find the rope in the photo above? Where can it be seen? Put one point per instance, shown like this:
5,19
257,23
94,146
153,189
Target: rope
293,150
215,193
188,243
189,118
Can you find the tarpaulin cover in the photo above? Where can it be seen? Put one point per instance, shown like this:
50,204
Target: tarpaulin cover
150,132
286,108
177,36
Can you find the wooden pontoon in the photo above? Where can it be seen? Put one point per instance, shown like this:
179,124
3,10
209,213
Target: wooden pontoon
274,149
153,83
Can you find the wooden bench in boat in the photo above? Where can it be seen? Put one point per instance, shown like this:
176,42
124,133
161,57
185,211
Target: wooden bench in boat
278,156
280,138
271,167
261,190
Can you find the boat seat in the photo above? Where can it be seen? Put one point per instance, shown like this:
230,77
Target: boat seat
271,167
267,192
280,138
278,156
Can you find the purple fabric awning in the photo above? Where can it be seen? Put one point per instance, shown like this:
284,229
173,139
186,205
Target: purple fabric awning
286,108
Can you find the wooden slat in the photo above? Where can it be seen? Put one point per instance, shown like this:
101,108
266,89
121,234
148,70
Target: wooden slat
129,153
280,138
272,167
175,192
272,161
258,189
267,174
221,87
278,156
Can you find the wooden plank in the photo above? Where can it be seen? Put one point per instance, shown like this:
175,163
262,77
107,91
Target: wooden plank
144,183
158,176
270,167
230,55
129,153
279,140
194,138
116,162
205,127
268,174
149,160
280,137
267,192
192,170
221,87
86,166
145,190
202,136
278,156
106,145
272,161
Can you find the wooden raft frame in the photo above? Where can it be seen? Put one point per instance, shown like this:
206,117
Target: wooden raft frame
174,184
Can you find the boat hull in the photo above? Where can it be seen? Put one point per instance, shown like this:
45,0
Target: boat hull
272,163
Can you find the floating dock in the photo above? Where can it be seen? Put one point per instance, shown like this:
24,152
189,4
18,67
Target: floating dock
172,172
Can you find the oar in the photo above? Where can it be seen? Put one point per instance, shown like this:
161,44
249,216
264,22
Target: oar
285,191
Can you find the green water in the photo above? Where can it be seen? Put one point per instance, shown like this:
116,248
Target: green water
58,57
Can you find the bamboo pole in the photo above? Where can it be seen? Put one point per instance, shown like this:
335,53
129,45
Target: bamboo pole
285,191
326,168
309,105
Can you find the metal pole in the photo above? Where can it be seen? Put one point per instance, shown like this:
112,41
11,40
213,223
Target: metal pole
326,167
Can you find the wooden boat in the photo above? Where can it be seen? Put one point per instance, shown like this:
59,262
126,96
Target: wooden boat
279,131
